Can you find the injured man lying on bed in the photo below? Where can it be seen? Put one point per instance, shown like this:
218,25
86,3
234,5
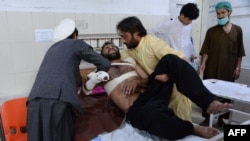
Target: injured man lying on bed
145,99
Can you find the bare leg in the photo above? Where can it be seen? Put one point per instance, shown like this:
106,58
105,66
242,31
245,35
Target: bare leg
162,77
217,106
205,132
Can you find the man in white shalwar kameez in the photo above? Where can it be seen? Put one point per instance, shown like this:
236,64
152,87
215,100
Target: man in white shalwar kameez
178,32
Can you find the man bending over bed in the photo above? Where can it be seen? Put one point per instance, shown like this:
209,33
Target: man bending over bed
146,108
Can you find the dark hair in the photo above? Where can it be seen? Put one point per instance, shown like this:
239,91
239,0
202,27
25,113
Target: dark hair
132,25
190,10
106,43
72,35
111,57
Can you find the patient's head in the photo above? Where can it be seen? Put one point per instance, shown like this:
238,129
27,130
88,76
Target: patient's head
110,51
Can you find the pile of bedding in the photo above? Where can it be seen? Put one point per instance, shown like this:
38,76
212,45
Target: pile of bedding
99,115
103,121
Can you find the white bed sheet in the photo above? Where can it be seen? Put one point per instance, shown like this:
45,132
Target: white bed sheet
127,133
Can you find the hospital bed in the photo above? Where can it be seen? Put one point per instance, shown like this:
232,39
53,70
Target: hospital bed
230,90
101,119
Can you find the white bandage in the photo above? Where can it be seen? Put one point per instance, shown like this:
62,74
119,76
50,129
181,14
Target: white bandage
94,78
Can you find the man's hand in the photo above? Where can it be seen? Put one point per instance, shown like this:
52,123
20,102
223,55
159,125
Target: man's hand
201,69
236,74
129,87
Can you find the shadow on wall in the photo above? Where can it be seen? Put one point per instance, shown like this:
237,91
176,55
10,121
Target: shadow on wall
244,77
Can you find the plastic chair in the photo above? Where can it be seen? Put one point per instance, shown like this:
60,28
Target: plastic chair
13,118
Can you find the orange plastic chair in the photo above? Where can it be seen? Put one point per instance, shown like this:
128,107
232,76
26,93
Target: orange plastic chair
13,118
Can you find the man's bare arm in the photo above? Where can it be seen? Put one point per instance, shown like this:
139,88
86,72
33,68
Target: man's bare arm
138,83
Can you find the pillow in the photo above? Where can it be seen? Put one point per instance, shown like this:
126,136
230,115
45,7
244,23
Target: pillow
98,90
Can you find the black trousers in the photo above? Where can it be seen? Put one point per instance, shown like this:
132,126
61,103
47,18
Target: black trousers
49,120
150,111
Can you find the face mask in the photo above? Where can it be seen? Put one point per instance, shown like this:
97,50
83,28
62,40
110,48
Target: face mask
222,21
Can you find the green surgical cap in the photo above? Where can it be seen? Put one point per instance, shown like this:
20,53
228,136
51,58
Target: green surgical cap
223,4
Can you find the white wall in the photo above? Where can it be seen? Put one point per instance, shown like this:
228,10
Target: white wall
156,7
240,16
21,54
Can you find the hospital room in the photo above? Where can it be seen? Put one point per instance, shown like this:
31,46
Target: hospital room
93,70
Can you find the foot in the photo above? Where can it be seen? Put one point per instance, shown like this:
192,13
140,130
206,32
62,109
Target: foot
205,132
216,107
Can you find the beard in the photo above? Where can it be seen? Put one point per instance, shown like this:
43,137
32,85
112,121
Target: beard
133,43
113,56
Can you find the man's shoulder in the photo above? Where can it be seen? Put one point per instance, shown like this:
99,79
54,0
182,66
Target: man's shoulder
130,60
149,37
68,41
214,28
236,26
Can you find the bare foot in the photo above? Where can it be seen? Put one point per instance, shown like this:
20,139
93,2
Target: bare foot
205,132
217,106
162,77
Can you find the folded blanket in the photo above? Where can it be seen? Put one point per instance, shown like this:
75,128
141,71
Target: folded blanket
99,115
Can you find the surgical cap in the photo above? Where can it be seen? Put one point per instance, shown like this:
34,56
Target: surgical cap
223,4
